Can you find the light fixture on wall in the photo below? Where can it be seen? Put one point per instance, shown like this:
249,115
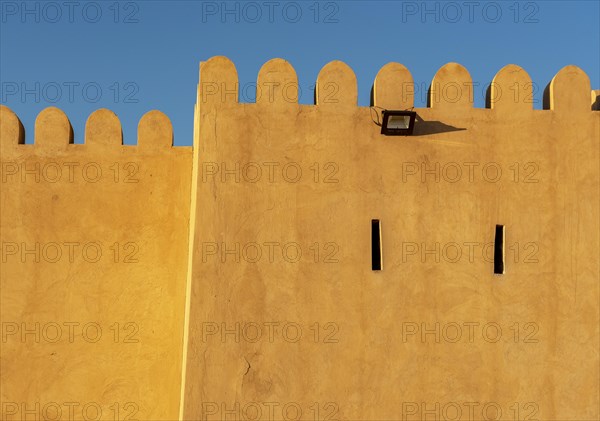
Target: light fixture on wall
398,123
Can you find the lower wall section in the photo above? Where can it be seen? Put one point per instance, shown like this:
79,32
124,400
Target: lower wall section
94,257
290,321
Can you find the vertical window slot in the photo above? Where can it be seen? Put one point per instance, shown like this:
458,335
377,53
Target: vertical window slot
376,258
499,250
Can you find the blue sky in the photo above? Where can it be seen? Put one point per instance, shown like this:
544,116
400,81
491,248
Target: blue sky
134,56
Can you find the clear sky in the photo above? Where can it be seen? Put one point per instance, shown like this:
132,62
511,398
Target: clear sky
134,56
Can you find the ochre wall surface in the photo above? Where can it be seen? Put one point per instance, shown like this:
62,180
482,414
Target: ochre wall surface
273,334
93,271
235,279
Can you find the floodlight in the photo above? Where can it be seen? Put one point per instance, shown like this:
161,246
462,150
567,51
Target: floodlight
398,123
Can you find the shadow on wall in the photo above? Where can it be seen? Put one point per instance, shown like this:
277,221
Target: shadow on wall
546,98
596,102
423,127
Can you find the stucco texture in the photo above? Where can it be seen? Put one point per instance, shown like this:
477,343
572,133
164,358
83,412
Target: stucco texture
534,342
235,278
102,290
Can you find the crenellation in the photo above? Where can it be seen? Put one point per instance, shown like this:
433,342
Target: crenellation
336,86
11,128
218,82
53,129
569,91
155,131
103,127
452,87
277,84
511,90
393,88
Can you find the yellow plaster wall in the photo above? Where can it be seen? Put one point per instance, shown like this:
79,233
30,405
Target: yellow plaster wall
209,329
368,363
106,330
